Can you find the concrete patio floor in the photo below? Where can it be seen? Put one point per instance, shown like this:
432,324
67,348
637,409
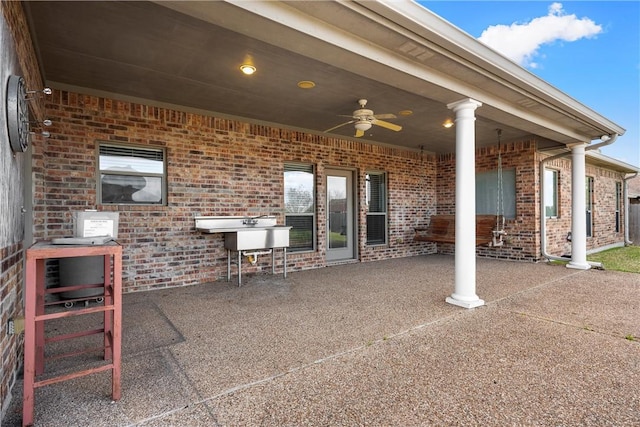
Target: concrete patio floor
370,344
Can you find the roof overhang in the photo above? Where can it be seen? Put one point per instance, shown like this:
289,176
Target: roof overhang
397,54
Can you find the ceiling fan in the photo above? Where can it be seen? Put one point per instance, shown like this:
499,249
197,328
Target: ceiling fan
364,119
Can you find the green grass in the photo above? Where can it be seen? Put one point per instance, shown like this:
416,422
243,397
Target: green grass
619,259
337,240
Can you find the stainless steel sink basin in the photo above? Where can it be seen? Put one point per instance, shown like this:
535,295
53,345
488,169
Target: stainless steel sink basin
278,236
244,239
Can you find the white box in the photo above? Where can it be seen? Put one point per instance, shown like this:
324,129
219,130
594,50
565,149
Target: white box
93,223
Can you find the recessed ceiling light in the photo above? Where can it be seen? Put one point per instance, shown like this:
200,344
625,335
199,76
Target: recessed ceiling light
247,69
448,123
405,113
306,84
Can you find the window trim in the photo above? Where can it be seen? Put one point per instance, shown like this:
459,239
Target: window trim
162,176
313,213
556,193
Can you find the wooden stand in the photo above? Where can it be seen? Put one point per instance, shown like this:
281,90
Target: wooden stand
35,316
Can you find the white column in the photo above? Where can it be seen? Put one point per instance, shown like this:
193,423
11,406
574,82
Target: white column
465,250
578,209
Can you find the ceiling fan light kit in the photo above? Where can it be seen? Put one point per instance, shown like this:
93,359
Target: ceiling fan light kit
363,125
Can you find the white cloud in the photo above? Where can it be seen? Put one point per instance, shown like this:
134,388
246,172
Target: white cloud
521,42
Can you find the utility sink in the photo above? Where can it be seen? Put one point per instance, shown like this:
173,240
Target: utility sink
248,238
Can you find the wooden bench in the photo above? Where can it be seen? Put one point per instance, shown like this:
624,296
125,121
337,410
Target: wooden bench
442,229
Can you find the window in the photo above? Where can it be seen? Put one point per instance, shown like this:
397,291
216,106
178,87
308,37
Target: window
376,208
488,192
550,193
589,204
618,206
131,175
300,206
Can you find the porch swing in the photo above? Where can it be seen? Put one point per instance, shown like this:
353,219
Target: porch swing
498,232
489,228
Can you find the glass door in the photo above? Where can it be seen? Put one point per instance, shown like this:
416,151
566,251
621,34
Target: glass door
340,219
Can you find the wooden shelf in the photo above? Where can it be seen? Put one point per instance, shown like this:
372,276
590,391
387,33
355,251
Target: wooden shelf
35,318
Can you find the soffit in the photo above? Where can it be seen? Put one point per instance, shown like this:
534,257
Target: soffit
187,54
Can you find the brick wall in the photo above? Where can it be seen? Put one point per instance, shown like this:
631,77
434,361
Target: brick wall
604,207
634,187
16,58
230,167
215,167
523,237
11,290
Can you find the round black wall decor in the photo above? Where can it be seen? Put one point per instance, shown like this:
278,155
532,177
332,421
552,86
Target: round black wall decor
17,114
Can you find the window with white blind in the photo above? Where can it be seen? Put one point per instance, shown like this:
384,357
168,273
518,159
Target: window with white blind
300,206
619,207
131,174
493,195
551,193
589,194
376,199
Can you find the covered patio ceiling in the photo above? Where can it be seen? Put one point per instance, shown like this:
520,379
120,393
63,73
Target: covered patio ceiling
397,55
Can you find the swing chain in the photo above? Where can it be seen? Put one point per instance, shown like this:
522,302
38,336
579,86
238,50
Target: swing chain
500,198
499,231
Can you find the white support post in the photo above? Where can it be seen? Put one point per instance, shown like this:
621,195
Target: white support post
578,209
464,294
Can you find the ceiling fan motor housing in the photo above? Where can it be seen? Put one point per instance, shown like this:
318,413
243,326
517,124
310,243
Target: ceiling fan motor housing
363,114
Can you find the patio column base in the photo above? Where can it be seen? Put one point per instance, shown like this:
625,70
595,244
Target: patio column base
464,303
578,266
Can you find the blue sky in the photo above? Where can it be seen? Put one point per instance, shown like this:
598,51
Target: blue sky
589,50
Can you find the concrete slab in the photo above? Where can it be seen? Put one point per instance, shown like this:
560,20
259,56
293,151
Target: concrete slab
371,344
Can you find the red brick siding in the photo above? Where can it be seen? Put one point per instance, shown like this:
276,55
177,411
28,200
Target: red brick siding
18,58
16,21
215,167
11,294
228,167
557,228
522,238
603,209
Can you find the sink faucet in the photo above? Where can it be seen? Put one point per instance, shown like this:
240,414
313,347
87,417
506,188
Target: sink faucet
252,220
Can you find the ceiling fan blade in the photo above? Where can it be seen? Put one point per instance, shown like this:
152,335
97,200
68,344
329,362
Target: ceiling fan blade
385,116
391,126
340,125
359,133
